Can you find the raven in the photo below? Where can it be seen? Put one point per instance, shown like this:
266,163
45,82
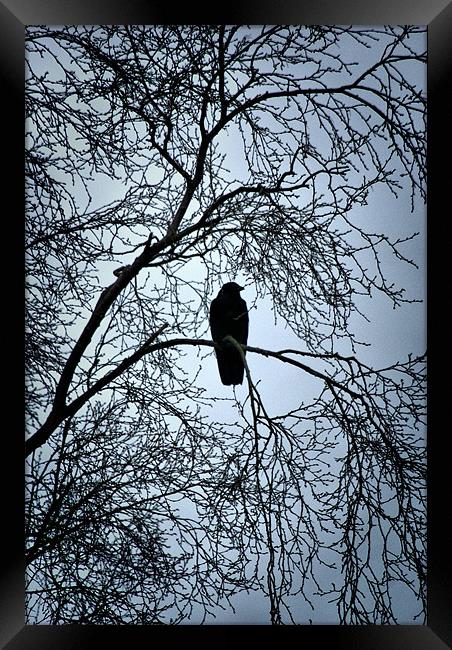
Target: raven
229,316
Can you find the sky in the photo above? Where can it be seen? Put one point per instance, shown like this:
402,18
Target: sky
393,334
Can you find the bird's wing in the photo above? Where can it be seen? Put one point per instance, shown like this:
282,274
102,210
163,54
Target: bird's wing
216,320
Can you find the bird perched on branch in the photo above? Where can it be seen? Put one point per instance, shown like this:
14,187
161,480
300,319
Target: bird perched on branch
229,317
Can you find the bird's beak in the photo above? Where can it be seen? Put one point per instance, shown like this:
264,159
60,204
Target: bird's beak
241,288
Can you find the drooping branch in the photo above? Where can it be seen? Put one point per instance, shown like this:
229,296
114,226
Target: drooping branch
60,413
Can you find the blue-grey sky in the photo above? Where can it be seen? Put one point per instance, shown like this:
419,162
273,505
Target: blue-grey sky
391,333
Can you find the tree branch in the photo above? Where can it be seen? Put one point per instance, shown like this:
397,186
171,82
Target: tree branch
58,415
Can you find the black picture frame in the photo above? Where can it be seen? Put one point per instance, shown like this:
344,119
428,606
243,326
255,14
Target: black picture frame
14,16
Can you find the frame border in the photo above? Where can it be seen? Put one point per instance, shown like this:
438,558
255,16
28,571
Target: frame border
14,16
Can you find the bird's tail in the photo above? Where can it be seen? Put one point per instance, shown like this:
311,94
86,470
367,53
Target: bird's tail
230,366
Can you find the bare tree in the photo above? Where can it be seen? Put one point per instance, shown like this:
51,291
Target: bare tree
170,159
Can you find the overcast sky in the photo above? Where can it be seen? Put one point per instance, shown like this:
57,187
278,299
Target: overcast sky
393,334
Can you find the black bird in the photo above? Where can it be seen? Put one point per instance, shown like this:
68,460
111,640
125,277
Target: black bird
229,316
